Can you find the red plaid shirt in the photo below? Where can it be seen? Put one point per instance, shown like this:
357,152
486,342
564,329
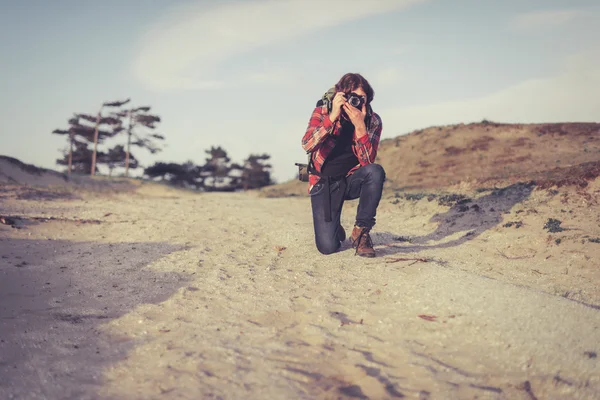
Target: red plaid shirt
320,140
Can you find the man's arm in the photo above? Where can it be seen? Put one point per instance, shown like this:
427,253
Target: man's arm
367,144
318,128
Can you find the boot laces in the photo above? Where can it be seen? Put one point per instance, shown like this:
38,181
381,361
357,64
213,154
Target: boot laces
364,234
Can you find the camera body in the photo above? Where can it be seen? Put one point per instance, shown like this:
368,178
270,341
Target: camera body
355,100
302,172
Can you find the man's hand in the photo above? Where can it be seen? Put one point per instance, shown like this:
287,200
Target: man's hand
336,107
357,117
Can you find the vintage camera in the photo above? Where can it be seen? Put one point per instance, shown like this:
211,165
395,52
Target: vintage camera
302,172
355,100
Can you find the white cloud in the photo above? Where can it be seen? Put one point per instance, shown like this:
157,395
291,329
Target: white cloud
569,96
185,50
388,76
540,20
269,76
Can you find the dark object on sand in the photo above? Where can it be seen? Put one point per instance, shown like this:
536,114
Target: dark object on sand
516,224
450,200
553,225
7,221
590,354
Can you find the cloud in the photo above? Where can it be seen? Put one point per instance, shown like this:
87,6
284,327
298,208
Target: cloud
568,97
270,76
186,49
541,20
385,77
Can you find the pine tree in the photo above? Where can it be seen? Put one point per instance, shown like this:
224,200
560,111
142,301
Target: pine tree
116,158
80,134
100,120
140,124
78,158
256,172
216,170
185,175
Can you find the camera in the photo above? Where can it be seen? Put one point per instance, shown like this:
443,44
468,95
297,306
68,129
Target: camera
302,172
355,100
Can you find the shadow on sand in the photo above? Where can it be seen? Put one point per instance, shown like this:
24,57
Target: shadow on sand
472,217
53,297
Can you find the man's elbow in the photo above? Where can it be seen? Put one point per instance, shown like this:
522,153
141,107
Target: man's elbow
309,144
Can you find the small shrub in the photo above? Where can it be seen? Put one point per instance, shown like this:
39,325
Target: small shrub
414,196
553,225
450,199
516,224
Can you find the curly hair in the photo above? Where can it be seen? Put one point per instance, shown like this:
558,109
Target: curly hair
353,81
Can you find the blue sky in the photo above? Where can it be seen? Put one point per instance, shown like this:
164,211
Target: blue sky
246,74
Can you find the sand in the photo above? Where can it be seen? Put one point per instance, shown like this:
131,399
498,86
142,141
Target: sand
161,293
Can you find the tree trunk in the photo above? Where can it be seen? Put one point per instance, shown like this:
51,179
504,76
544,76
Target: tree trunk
70,154
93,172
129,128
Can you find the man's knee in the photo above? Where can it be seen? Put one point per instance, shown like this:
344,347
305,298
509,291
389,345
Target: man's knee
328,247
376,171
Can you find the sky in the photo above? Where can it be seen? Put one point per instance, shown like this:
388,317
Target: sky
246,75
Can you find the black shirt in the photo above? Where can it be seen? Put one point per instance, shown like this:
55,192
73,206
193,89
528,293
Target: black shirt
341,159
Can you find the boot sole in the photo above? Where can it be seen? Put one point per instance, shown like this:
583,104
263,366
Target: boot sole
367,255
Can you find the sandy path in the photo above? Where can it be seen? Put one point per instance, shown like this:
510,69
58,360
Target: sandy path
263,315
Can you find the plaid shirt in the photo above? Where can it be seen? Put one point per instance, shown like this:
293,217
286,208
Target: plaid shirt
320,140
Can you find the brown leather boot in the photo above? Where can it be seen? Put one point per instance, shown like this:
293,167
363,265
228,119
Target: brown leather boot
361,241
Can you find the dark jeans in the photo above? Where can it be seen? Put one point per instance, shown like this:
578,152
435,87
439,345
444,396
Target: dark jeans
365,184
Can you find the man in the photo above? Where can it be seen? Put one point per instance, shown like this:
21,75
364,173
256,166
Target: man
343,136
